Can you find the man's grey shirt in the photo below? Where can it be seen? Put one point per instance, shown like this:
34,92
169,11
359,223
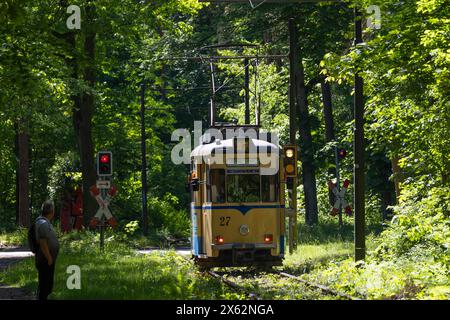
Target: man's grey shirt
45,230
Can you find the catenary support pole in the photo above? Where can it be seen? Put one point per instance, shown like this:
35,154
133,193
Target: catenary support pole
358,151
293,62
247,91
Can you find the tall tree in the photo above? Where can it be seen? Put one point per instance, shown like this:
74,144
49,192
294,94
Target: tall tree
329,125
306,148
86,111
22,183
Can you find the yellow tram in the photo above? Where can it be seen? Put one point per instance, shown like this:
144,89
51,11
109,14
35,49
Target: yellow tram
237,203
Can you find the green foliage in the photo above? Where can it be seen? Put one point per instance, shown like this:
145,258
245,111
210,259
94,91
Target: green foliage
407,106
63,174
405,66
131,227
420,224
170,222
19,237
411,257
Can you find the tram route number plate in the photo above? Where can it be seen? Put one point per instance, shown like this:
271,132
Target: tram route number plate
225,221
103,184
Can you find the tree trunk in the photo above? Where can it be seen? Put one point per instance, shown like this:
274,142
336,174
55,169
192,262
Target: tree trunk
16,153
306,149
387,189
386,200
22,184
85,114
397,175
329,128
82,112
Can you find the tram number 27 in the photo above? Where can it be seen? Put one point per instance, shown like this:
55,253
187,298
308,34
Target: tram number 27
224,221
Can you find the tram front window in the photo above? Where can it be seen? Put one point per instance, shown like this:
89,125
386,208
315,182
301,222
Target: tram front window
269,188
217,191
243,188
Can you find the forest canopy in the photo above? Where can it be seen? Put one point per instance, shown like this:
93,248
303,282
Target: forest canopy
67,93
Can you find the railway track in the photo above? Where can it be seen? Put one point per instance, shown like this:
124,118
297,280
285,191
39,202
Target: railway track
321,287
254,296
234,286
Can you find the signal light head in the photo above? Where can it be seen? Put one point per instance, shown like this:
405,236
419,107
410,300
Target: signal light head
268,238
290,161
104,158
289,153
290,169
342,153
104,163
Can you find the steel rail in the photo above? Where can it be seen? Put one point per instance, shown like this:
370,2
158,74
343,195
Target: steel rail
317,286
235,286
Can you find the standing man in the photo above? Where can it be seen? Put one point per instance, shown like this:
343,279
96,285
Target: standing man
48,249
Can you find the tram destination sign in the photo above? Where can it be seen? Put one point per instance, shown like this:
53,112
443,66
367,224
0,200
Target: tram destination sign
243,171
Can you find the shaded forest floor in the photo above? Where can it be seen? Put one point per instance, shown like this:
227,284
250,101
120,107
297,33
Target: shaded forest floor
8,257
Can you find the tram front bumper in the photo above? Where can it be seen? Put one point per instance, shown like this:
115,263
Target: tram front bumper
238,246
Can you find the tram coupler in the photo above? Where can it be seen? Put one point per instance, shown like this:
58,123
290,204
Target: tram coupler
240,256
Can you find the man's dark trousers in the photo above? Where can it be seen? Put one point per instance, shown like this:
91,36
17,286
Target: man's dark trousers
46,274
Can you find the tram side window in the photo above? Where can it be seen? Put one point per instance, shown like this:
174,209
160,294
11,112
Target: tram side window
217,185
243,188
269,188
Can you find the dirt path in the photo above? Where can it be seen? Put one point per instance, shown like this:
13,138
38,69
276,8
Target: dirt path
9,256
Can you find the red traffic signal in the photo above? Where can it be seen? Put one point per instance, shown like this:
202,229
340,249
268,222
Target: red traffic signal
342,153
104,158
104,163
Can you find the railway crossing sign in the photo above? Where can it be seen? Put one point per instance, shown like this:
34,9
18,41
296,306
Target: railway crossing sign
340,198
103,184
103,204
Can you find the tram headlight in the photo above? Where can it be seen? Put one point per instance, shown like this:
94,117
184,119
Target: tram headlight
268,238
219,240
244,230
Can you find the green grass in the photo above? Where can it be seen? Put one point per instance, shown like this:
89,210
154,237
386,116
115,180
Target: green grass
310,256
19,237
120,273
324,255
320,244
392,279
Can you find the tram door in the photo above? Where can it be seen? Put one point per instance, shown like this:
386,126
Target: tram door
197,199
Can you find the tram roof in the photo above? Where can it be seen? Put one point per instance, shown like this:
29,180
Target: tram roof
207,149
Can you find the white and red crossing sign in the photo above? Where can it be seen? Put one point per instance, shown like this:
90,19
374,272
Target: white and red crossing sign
103,205
103,184
340,198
